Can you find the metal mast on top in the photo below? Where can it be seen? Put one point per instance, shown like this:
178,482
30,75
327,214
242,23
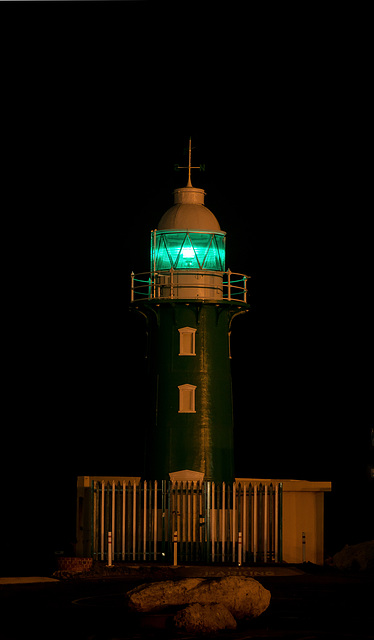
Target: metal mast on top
189,183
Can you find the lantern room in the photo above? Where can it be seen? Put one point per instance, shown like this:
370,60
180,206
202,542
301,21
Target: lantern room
188,255
188,235
188,249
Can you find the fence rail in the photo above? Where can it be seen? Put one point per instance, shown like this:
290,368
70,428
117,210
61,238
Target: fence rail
236,523
154,285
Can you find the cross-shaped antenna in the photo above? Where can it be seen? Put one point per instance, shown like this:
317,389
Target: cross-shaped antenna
201,167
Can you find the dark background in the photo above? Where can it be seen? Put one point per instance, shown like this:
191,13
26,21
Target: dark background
93,132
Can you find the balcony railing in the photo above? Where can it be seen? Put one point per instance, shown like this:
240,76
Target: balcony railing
149,285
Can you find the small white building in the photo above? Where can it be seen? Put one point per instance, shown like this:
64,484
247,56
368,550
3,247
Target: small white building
302,518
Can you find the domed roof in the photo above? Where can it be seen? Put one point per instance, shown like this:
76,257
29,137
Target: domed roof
189,212
195,217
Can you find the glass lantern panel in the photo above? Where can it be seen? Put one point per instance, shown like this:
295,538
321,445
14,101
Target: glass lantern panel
217,254
187,256
162,256
201,243
188,250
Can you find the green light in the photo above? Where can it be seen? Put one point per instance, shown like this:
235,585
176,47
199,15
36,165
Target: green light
187,250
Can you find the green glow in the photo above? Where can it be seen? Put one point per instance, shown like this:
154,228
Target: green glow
187,250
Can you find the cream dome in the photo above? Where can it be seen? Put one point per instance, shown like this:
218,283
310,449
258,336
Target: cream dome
189,212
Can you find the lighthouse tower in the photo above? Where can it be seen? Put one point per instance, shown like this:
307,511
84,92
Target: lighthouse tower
189,300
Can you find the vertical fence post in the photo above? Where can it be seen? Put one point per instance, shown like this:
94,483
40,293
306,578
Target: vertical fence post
94,531
123,518
102,520
170,517
110,564
244,523
163,493
266,507
223,520
132,286
276,523
233,520
201,515
280,522
271,523
155,523
179,487
207,520
255,525
303,544
190,519
134,523
213,535
175,541
113,515
172,513
240,548
182,517
250,522
144,519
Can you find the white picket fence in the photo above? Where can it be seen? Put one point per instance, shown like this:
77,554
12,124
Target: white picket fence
238,523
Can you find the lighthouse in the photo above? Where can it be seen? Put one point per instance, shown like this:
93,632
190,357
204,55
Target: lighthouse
189,299
189,502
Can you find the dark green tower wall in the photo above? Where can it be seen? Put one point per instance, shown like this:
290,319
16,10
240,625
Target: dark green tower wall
200,441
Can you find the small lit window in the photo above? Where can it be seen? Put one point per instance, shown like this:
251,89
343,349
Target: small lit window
187,341
187,398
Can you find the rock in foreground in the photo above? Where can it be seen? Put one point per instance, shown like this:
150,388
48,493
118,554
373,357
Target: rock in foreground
243,597
356,557
158,595
204,618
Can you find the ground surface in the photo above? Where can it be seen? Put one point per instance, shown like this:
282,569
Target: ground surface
316,604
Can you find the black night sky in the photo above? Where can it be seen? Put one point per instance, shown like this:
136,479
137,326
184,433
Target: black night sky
90,171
